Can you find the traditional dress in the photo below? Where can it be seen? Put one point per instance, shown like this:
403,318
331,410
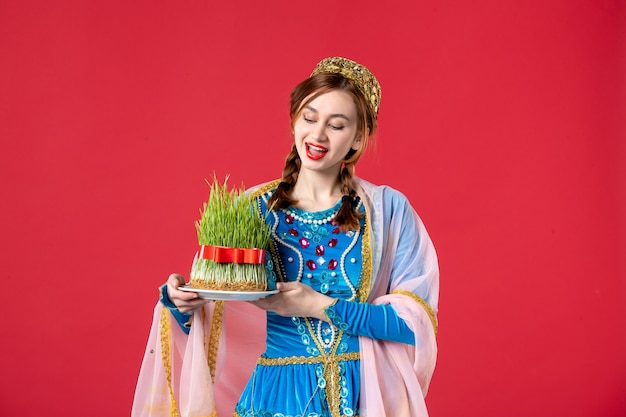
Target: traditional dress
375,358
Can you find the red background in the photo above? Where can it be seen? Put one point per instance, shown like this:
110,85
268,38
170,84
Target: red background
502,121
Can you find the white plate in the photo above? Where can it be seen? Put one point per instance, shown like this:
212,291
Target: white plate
229,295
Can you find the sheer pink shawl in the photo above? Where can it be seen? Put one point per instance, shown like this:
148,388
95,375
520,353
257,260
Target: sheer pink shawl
182,375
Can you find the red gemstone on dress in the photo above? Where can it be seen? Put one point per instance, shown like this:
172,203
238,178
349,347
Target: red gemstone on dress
333,222
311,265
289,219
332,242
319,250
304,242
293,232
332,264
336,231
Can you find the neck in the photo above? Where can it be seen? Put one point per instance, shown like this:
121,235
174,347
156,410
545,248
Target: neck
316,192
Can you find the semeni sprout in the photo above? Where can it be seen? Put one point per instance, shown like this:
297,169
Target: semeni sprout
230,219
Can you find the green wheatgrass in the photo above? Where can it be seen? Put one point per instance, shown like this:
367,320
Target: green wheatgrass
230,218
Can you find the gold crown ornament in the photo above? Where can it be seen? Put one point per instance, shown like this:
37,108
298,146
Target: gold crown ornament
364,79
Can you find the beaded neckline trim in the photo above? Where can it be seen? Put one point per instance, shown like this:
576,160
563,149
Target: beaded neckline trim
314,217
311,218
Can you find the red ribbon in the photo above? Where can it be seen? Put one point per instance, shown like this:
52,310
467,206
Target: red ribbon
222,254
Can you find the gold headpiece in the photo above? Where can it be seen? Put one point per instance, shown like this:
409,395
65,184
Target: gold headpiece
364,79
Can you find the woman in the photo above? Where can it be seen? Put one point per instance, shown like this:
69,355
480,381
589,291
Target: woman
352,330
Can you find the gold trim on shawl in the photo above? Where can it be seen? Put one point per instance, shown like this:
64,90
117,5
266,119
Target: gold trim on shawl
427,307
366,253
214,336
166,341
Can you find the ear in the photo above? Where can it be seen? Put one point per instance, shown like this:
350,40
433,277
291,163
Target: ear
357,143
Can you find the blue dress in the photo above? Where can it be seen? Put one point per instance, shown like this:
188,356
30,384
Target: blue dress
310,367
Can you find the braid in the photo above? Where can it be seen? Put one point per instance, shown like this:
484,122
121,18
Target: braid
281,198
347,217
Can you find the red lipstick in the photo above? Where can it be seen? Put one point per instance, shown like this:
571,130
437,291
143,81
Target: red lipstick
315,151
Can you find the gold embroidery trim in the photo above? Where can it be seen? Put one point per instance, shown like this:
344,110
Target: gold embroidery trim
273,248
166,340
214,337
427,307
332,374
366,271
265,188
302,360
236,414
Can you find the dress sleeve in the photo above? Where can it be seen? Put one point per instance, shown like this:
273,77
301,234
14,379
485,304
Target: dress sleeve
378,322
183,319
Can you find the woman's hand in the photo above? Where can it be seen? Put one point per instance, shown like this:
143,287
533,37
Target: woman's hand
185,301
296,299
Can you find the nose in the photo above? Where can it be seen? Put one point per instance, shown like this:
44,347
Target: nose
319,131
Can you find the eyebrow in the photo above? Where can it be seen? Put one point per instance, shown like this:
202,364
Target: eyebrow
341,115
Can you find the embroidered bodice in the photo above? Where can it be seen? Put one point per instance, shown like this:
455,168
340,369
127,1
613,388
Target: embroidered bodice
310,247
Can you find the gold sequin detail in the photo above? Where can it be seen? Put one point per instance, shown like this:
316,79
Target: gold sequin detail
214,338
366,268
332,374
273,249
364,79
427,307
304,360
264,188
236,414
166,342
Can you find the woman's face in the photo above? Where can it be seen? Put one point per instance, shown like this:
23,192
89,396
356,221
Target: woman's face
325,131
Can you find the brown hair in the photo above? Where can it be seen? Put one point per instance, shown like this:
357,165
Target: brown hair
347,217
